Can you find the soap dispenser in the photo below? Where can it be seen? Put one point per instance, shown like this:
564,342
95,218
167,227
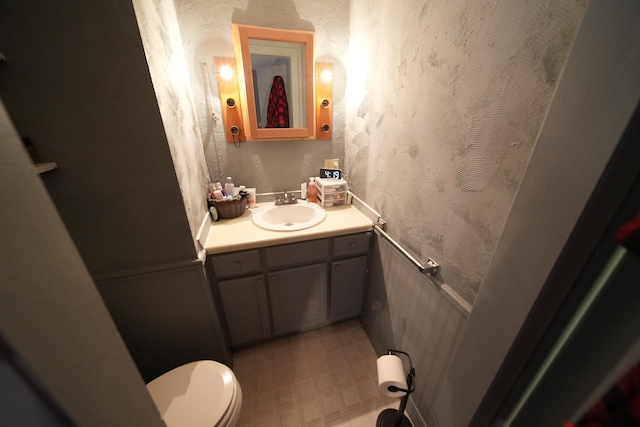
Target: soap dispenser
229,187
312,191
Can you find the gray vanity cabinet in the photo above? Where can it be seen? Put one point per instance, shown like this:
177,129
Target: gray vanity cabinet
243,295
294,287
298,295
292,254
351,245
347,287
246,308
348,275
298,298
236,264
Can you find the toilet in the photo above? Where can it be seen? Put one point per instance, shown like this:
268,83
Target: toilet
199,394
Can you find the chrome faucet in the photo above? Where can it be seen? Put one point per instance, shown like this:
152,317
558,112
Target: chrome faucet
287,199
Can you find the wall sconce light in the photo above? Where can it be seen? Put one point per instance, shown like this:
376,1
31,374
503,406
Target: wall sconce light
324,101
230,93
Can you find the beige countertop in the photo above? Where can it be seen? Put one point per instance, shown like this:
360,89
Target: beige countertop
228,235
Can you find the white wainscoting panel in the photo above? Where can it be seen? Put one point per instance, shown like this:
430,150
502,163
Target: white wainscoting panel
405,310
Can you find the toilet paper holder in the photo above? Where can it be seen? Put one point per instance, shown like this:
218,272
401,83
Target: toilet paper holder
392,417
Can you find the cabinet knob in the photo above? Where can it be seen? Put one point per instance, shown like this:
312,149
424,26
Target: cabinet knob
352,246
237,265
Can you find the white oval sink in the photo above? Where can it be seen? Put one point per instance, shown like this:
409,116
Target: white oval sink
288,217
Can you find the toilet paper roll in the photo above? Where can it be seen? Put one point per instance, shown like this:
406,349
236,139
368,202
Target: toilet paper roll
391,373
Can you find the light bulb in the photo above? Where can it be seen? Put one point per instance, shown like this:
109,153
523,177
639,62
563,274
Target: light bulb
226,72
326,76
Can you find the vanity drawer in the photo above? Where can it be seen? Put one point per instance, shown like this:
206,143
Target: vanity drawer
351,244
297,253
236,263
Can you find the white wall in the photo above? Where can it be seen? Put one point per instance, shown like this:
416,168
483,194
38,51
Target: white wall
206,32
435,103
50,311
165,56
444,103
597,95
436,110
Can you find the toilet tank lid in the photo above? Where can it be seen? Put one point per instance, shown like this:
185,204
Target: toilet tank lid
196,394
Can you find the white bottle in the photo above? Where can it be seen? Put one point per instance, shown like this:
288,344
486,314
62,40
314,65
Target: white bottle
229,187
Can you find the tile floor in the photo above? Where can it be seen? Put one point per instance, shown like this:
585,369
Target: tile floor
325,377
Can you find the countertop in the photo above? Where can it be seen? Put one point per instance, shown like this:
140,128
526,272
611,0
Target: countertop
228,235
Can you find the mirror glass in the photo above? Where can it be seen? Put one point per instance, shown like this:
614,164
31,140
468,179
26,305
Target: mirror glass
277,70
276,76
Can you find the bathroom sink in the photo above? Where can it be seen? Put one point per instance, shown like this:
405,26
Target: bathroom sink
288,217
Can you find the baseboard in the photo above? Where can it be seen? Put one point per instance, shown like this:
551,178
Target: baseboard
414,414
456,300
432,420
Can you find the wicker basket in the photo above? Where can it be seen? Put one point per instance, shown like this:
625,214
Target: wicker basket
230,208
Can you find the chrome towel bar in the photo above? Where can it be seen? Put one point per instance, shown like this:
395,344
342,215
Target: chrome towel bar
432,267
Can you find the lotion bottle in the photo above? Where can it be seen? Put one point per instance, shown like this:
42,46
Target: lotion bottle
312,191
229,188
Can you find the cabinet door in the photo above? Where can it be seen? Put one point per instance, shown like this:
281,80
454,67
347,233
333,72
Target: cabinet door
245,305
347,287
299,298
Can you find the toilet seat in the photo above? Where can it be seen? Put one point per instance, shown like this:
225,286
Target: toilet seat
199,394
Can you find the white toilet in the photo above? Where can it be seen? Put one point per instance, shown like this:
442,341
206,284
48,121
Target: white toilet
198,394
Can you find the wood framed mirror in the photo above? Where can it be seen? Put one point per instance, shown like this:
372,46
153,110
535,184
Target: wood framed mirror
276,79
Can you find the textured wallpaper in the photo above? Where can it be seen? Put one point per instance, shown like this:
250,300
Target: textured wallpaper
206,32
444,103
437,106
165,55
